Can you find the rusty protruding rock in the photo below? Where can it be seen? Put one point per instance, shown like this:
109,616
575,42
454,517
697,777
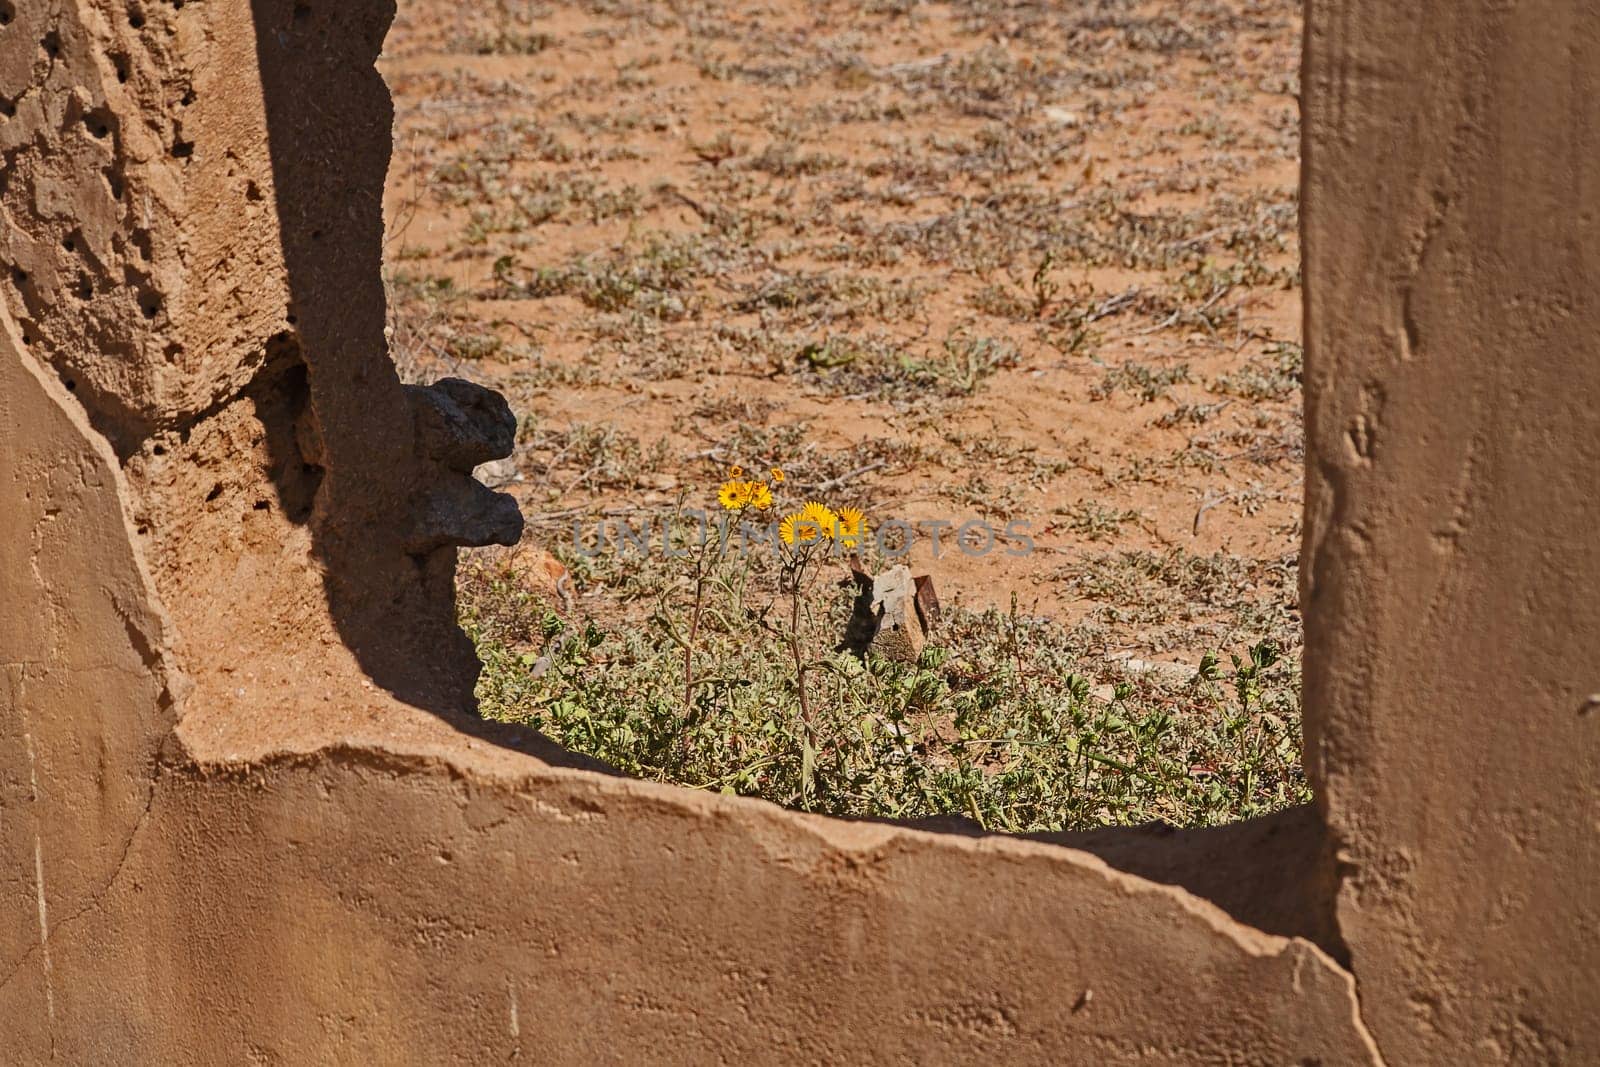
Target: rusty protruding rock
459,510
461,424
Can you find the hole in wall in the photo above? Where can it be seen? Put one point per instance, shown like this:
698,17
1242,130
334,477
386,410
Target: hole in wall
282,395
51,45
99,123
7,12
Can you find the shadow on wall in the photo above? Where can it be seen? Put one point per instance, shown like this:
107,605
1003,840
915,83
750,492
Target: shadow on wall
380,472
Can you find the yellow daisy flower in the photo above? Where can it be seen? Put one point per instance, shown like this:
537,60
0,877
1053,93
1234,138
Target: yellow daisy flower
760,495
805,526
777,475
852,527
821,516
735,496
735,473
786,529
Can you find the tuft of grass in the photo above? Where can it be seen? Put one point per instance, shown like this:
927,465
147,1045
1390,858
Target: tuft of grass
1273,375
1094,521
503,42
1145,382
877,365
1178,599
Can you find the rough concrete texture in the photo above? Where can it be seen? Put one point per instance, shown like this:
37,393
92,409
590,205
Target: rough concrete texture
246,814
193,234
1452,570
384,889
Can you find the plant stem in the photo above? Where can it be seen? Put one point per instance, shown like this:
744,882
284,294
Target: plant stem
701,573
688,647
799,661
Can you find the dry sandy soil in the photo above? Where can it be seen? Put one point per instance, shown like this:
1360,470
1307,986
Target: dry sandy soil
1018,261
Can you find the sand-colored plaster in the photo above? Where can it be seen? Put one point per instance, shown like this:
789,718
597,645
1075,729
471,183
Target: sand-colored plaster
286,863
86,698
1451,575
300,867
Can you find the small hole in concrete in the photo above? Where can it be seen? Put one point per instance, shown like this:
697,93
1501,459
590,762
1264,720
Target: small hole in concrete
216,491
136,18
159,450
69,244
150,306
121,64
183,149
8,108
85,287
72,386
252,191
7,13
261,505
52,45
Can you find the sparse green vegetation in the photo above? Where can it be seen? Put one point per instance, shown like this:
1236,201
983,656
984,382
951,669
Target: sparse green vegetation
1011,721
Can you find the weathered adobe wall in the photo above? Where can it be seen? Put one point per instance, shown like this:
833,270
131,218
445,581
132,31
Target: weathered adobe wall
193,238
390,891
223,837
1452,563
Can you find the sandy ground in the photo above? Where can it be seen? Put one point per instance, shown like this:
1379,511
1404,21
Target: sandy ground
1025,263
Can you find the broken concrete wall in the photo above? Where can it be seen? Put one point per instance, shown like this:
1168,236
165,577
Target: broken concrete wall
1452,568
194,236
305,883
245,812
